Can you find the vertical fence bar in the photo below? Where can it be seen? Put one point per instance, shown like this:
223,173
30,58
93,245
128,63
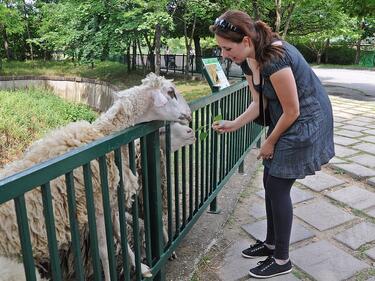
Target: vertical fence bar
214,168
107,216
122,218
153,152
92,222
183,178
146,198
51,231
24,234
191,194
74,226
196,197
203,151
137,244
207,156
176,192
169,180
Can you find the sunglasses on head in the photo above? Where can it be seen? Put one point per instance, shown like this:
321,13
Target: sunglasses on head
226,25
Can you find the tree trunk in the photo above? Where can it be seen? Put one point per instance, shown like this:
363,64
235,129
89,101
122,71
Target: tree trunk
157,48
28,31
150,56
287,23
198,53
256,13
134,58
318,57
278,16
128,57
326,46
140,54
6,44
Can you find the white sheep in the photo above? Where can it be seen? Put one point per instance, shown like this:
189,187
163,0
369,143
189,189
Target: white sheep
180,135
155,99
11,270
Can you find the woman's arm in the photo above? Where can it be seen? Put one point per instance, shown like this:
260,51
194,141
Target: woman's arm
286,90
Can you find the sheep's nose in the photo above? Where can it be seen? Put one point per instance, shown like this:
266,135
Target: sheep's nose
189,131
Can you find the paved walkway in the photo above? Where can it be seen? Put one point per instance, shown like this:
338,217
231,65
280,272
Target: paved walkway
333,236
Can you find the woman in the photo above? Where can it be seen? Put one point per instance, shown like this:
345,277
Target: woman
300,134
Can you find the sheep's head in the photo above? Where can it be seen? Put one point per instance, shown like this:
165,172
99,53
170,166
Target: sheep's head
168,102
181,135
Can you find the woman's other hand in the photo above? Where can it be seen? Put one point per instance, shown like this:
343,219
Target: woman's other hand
266,151
224,126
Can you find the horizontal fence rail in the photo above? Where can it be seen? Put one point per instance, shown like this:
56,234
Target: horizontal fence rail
84,196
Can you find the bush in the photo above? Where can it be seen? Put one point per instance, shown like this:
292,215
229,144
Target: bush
340,55
309,55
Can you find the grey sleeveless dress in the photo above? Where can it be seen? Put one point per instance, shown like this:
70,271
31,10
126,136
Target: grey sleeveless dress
308,142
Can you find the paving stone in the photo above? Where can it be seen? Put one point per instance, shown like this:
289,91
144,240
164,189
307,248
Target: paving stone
366,147
296,194
336,160
358,235
320,181
356,122
371,213
322,215
325,262
369,138
234,266
371,132
353,128
344,140
258,230
371,253
371,181
355,170
347,133
364,159
258,211
342,151
354,196
364,120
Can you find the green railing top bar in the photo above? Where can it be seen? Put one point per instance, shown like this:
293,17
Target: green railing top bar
24,181
194,105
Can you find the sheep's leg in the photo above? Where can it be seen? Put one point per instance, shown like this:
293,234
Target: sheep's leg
166,239
146,271
102,241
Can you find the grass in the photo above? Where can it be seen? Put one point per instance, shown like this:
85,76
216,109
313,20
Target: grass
26,115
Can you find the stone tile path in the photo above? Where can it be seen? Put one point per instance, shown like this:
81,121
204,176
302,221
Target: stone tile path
333,236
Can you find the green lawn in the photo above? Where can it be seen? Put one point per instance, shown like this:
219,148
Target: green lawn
26,115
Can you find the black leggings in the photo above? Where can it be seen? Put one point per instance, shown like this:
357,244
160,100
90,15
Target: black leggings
279,211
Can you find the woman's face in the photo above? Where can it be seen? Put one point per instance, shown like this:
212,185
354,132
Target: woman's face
237,52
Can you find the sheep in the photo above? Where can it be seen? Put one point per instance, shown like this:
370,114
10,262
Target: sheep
180,135
11,270
155,99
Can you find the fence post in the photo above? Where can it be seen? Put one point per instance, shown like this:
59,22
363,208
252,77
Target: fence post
155,206
213,206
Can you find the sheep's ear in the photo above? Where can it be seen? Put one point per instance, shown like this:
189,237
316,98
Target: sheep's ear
159,99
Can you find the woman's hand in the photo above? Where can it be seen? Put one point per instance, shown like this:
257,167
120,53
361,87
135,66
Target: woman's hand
224,126
266,151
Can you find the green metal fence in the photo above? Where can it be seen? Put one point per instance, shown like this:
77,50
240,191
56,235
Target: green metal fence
194,177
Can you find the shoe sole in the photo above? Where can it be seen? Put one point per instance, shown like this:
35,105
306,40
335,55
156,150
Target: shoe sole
269,276
252,257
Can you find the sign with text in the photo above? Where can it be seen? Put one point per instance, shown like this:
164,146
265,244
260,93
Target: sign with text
214,73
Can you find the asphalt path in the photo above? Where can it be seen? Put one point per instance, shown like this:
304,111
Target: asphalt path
350,83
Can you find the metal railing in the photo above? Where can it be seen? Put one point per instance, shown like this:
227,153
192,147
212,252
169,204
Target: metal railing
194,176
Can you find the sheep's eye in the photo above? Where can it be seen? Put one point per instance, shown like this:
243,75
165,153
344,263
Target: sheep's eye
172,93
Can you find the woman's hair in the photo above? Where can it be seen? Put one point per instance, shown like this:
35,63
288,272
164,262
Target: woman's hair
234,25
